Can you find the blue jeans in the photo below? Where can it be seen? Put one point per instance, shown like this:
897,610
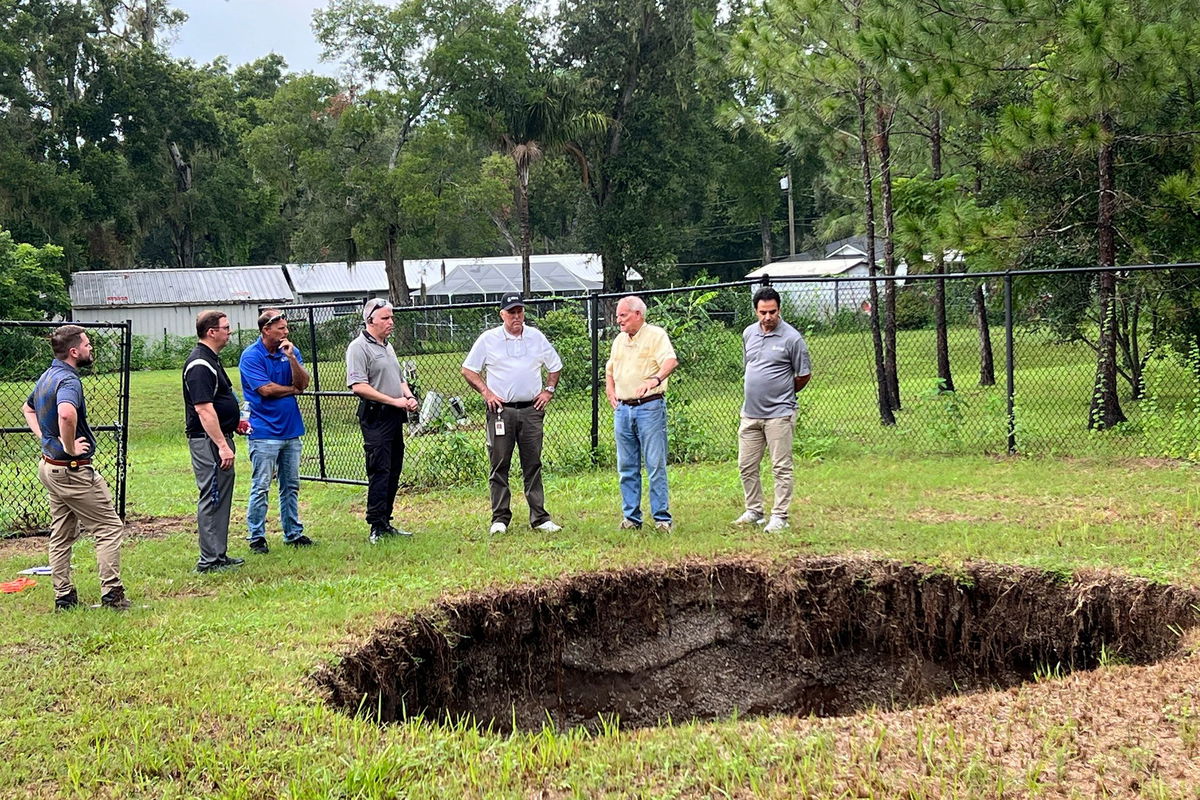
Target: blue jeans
641,433
267,457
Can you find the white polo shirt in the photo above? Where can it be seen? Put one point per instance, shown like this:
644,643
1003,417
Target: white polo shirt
513,363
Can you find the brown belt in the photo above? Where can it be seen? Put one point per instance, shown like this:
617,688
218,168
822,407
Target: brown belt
74,463
642,400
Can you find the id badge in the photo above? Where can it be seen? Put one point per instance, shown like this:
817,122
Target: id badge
499,426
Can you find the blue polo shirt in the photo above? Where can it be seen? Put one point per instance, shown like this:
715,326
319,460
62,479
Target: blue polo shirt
60,384
270,417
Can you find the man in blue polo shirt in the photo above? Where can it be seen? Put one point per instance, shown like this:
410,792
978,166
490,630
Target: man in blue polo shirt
272,375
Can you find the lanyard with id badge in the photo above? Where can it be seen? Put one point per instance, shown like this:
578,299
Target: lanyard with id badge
499,423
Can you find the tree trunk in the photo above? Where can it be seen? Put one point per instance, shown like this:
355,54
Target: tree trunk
883,122
398,291
768,243
1105,411
886,415
987,365
393,265
183,239
945,378
523,222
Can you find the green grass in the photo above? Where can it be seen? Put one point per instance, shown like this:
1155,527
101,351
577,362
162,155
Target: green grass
201,690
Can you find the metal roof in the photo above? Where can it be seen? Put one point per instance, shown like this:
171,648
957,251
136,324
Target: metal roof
804,269
209,285
570,271
545,277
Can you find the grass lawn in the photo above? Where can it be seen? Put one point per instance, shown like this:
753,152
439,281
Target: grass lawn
202,690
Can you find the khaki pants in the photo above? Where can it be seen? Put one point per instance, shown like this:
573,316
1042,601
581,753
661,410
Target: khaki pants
79,499
774,436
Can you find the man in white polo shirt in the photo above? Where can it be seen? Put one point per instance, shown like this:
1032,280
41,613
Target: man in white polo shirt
512,355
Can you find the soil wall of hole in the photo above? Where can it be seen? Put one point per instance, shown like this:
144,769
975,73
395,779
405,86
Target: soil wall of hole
823,636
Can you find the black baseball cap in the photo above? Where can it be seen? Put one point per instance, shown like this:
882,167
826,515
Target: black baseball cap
511,300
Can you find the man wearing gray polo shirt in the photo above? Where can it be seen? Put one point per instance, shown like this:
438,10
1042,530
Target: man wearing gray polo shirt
777,367
384,400
513,355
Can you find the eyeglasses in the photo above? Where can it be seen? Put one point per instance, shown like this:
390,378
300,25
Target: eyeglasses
274,318
224,328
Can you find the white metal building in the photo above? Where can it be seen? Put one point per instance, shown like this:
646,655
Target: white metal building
168,300
822,299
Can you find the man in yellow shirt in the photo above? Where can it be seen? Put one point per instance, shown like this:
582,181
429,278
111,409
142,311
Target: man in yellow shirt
636,381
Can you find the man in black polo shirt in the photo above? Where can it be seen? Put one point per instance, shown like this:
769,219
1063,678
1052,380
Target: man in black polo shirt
212,418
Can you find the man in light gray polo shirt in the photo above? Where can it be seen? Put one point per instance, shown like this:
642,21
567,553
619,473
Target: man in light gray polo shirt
513,355
384,400
777,367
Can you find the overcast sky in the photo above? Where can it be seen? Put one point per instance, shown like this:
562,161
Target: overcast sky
246,30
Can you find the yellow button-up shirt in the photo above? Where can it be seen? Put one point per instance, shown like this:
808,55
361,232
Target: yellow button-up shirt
636,358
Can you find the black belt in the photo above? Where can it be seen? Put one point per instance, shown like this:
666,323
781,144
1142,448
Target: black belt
205,435
74,463
639,401
519,406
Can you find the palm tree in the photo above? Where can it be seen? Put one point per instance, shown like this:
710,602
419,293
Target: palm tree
542,114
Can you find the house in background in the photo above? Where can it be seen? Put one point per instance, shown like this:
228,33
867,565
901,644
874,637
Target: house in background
160,301
796,278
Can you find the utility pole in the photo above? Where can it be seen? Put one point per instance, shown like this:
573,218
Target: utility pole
786,184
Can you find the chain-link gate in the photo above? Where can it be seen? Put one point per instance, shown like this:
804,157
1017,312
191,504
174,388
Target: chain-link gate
1020,348
24,355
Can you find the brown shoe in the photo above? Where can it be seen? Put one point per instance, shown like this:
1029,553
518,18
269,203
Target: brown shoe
629,525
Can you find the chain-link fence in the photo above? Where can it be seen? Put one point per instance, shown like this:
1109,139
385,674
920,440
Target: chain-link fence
24,355
1019,370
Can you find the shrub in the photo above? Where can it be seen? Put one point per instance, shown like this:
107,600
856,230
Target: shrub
913,309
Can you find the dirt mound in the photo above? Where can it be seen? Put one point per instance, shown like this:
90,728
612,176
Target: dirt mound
823,636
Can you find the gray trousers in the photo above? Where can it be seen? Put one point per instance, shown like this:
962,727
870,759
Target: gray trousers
523,429
216,498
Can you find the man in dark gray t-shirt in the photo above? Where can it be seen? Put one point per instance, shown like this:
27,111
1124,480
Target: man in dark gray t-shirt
777,367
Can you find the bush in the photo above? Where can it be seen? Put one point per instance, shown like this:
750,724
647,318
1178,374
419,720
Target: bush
914,310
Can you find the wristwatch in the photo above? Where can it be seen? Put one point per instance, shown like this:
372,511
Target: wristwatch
550,389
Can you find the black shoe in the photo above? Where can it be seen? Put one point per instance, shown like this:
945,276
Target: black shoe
67,602
115,600
300,541
259,546
224,563
394,531
378,533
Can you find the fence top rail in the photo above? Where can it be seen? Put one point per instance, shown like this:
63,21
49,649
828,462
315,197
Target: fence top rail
485,304
765,280
24,323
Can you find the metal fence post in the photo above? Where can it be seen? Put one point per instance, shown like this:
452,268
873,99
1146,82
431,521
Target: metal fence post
316,374
594,320
123,436
1008,361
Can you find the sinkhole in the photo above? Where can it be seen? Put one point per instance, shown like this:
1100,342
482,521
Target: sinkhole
825,636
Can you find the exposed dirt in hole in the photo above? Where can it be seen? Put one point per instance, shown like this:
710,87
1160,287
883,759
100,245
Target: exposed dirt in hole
823,636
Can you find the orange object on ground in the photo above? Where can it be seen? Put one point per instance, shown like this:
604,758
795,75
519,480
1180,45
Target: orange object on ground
20,584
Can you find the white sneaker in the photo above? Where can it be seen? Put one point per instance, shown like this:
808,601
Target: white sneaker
548,526
749,518
497,527
775,525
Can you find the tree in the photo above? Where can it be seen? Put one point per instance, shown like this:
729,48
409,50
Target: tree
428,53
1101,68
537,112
31,280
